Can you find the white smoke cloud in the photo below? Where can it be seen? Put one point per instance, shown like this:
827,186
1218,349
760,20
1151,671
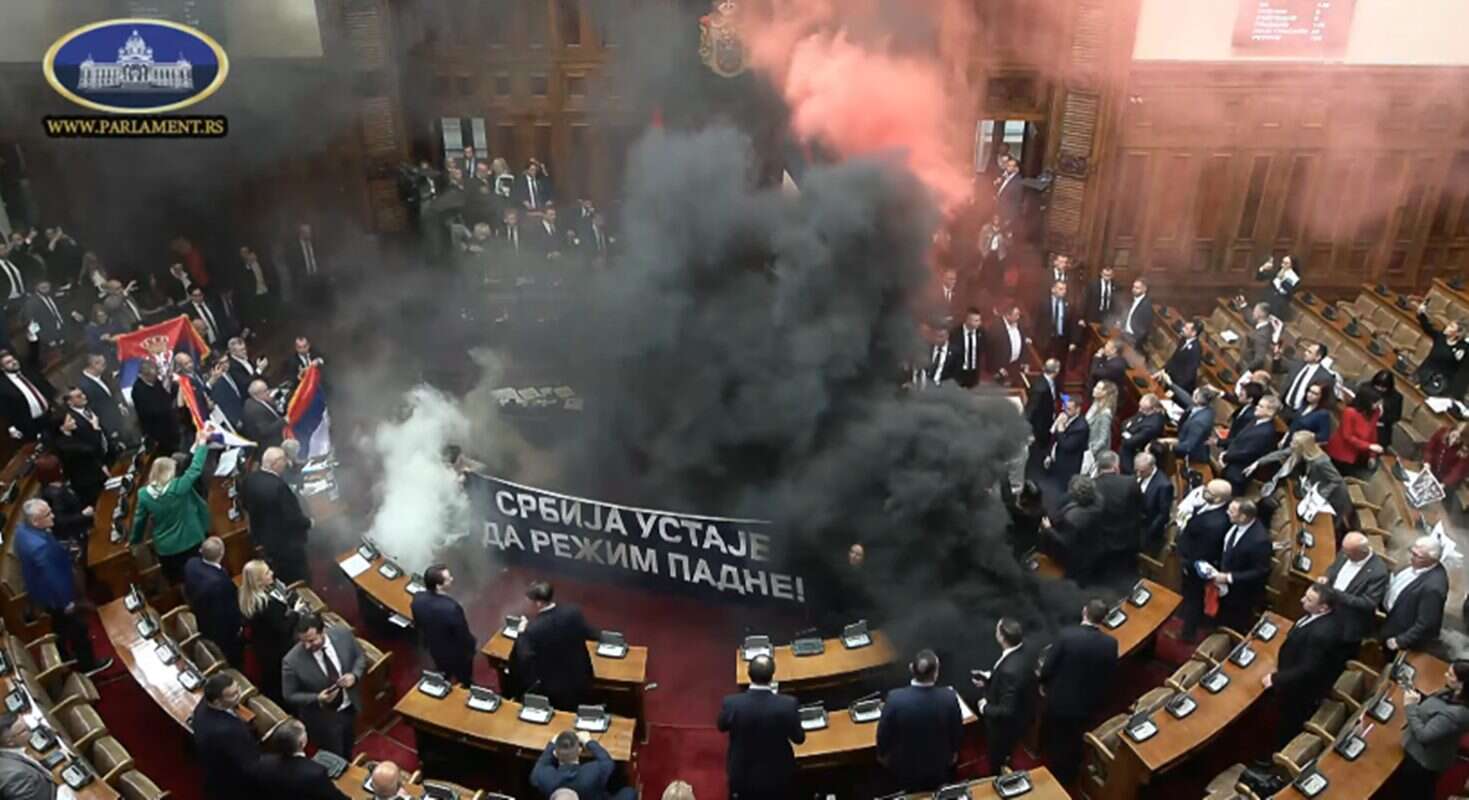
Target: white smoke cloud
422,507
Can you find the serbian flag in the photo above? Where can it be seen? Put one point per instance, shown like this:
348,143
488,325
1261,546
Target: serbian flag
157,342
307,418
223,434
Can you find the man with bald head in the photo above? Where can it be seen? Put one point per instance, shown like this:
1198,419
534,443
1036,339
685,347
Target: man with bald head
1142,430
210,592
1202,540
1415,599
277,522
386,782
259,419
1360,579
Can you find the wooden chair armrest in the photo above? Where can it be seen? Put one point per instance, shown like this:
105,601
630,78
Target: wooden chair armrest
66,703
60,670
173,612
189,640
1313,727
215,667
40,640
296,584
1092,740
1285,763
1360,667
1233,634
288,719
1150,561
116,771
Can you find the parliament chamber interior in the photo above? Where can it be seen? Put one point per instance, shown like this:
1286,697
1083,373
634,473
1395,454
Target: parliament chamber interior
734,399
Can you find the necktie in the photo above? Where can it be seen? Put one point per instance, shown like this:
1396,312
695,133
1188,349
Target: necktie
1297,389
1060,319
948,294
1015,342
969,349
208,317
601,246
17,284
1233,538
51,304
530,182
137,315
40,399
101,383
310,256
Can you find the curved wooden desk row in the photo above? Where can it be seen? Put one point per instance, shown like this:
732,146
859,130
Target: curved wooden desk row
1372,768
1142,621
1138,762
35,717
836,664
844,742
502,731
1043,786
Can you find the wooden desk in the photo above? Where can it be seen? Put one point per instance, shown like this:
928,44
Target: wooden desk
1043,786
843,742
1363,777
835,666
1138,762
389,595
351,781
617,681
158,679
34,717
1322,552
503,731
1143,622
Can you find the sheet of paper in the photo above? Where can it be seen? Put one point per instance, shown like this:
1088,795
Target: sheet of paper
1229,336
227,461
356,565
1439,404
400,620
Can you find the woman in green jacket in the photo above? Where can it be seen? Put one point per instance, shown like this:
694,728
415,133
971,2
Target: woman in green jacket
180,516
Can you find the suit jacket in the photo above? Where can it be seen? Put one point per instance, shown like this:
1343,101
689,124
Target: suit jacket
762,726
1138,433
13,403
1122,508
228,395
1357,604
1310,658
1157,510
1040,409
1183,366
1248,562
1417,617
242,374
1259,343
302,679
22,780
1322,378
262,423
1202,539
1434,726
939,372
228,753
966,377
277,522
1108,369
552,652
224,326
1077,672
214,600
1077,529
45,566
443,629
999,339
1194,431
1070,449
1250,444
53,326
298,778
919,735
1094,311
1141,319
1009,197
1046,333
1447,360
103,402
1009,694
521,192
588,779
156,416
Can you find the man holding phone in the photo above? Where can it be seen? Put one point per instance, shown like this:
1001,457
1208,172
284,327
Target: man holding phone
319,679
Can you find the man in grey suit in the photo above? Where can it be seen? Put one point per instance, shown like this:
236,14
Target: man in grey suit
319,679
102,397
1260,342
21,776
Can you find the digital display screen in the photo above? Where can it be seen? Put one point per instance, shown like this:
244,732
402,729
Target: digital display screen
1293,27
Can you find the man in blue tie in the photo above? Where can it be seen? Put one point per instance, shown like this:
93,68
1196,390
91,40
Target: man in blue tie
1057,337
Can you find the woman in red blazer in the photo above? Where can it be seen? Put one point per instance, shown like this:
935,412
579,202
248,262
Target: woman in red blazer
1447,453
1354,444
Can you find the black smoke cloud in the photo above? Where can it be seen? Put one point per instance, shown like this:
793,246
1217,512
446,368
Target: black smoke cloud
743,359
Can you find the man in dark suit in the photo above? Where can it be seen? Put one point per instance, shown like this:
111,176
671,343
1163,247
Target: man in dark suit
1415,599
228,752
1201,539
1074,679
102,396
546,236
1157,492
320,679
41,310
1183,365
1304,374
308,264
22,777
762,726
277,523
1444,371
1359,581
1107,365
243,369
227,394
1244,567
943,361
258,418
1309,660
1057,325
214,600
1101,297
1253,441
1136,322
442,627
1009,191
552,650
1009,688
968,342
1139,432
25,394
1122,509
921,729
285,771
533,188
1007,342
560,769
1042,404
217,326
153,400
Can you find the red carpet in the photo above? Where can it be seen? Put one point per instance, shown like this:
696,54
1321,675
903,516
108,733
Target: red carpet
692,663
